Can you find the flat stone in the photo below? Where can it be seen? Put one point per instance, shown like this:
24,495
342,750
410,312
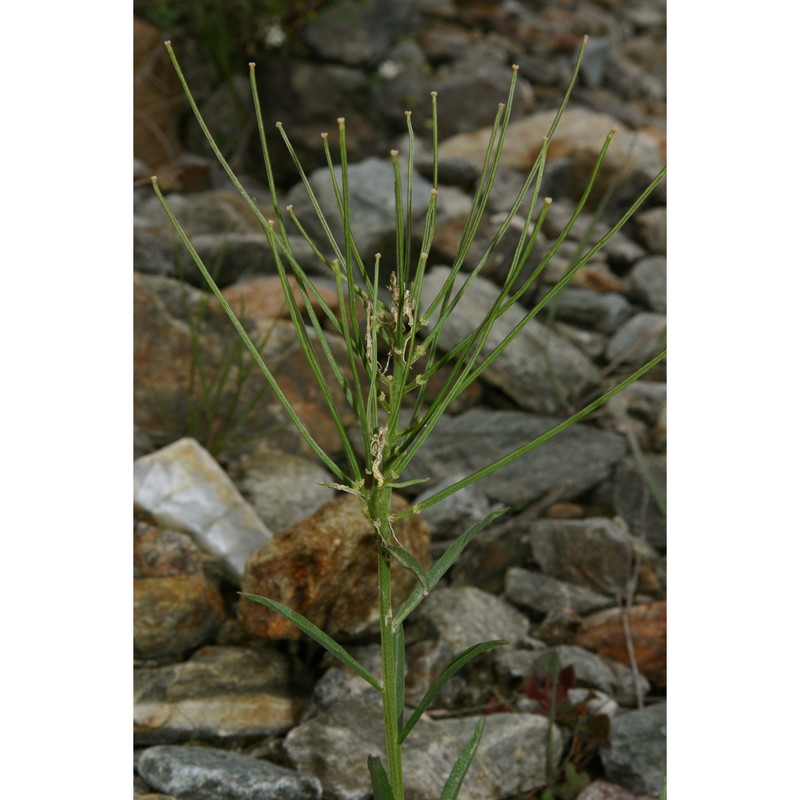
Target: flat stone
357,33
580,136
463,615
262,297
638,339
208,773
648,281
372,211
600,311
572,462
182,487
605,790
282,488
634,501
220,692
334,745
514,746
539,593
652,229
325,568
636,755
596,553
604,633
537,369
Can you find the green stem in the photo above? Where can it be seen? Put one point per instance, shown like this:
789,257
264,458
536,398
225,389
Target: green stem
380,510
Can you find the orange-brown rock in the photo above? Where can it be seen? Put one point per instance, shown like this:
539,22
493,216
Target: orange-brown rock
325,568
604,633
156,97
176,607
263,298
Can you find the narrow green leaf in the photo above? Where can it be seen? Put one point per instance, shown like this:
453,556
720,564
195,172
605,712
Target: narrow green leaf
526,448
453,784
407,561
381,788
444,563
463,658
318,635
663,793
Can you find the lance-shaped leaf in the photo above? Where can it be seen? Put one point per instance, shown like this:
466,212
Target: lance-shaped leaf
407,561
463,658
453,784
318,635
381,788
443,564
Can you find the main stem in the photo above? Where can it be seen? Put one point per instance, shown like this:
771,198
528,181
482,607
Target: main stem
381,510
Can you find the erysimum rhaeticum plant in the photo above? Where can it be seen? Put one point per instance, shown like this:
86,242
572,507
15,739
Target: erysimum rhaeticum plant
393,360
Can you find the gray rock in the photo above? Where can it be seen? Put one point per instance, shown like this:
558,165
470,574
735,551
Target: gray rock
600,311
208,773
455,514
182,487
462,616
636,755
649,283
482,74
282,488
652,228
639,339
357,33
220,692
448,622
229,256
632,161
372,214
538,369
574,461
539,593
595,553
590,669
633,498
501,545
334,746
514,747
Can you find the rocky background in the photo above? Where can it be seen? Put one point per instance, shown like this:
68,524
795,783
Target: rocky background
232,702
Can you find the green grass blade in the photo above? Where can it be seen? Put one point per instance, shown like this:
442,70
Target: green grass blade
318,635
462,659
381,788
444,563
453,785
526,448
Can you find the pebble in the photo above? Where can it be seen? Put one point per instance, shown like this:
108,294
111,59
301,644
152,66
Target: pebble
539,594
538,370
208,773
221,692
578,458
636,755
182,487
604,633
596,553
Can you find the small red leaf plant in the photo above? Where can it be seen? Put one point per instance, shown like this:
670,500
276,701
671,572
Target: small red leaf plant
548,686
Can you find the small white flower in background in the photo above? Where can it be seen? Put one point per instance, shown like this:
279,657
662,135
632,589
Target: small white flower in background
274,36
389,69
